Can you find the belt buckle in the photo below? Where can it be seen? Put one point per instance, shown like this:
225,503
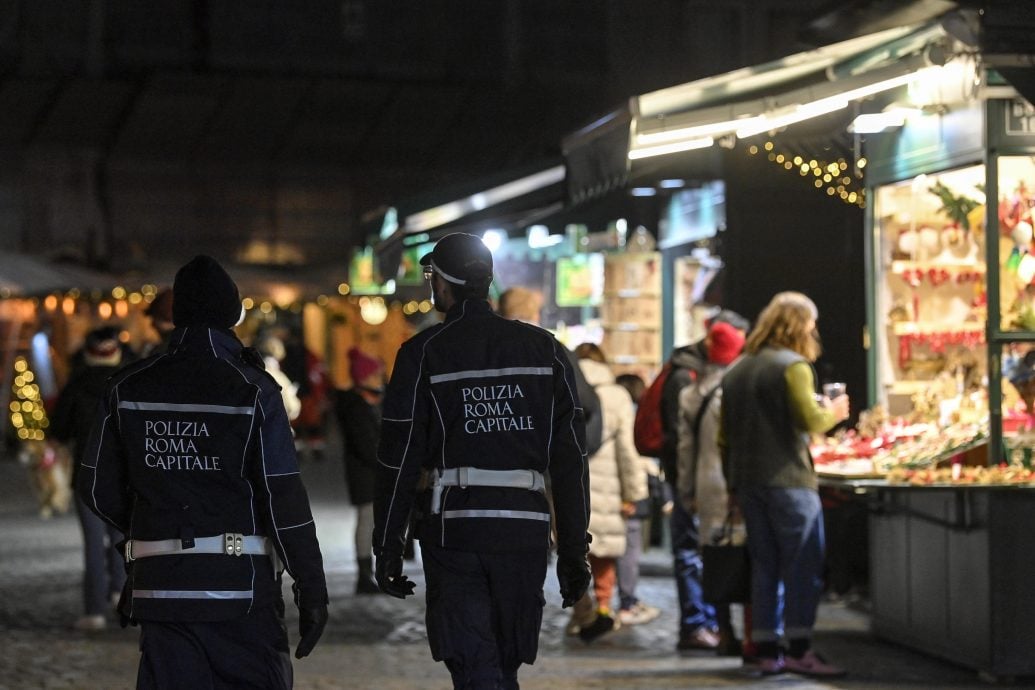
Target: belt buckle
461,477
233,543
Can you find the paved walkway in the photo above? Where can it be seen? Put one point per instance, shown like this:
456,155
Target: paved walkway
378,642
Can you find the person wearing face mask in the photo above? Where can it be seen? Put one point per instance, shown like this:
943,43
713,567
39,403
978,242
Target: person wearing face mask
358,410
769,408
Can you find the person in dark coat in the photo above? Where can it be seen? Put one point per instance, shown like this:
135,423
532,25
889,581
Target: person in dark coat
479,409
697,624
192,458
359,415
104,573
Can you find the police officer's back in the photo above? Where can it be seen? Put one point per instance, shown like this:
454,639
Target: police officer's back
193,460
479,409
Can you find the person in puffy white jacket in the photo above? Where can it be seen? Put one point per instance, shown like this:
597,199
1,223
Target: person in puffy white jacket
616,482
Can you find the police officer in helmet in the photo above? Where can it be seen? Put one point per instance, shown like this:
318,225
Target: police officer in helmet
479,410
192,459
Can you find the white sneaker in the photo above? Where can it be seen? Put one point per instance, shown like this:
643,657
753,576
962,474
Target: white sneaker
638,614
90,623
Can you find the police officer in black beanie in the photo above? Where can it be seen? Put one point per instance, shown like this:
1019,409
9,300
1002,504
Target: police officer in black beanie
192,459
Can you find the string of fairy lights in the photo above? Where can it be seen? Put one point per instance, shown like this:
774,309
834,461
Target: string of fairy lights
28,416
833,177
26,411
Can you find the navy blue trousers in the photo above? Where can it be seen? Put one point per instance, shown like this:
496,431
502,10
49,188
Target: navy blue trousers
484,613
247,652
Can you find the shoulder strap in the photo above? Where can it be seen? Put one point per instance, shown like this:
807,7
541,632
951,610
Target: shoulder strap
705,402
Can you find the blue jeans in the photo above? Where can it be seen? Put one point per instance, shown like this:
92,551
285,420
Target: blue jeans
786,542
686,562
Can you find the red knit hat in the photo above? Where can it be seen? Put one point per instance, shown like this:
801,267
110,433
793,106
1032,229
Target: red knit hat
724,343
362,365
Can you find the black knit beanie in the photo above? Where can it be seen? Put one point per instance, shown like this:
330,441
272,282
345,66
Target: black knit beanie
205,295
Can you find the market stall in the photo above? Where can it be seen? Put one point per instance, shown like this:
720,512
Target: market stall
941,160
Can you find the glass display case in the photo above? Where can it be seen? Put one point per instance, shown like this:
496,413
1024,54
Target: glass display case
931,285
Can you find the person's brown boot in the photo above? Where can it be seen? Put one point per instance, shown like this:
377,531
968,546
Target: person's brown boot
701,638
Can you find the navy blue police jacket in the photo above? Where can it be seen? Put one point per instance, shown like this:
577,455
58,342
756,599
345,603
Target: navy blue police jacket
483,391
195,443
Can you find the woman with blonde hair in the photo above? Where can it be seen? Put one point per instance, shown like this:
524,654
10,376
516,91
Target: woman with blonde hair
769,408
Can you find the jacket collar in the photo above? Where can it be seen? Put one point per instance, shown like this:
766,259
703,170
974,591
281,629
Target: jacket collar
468,307
218,341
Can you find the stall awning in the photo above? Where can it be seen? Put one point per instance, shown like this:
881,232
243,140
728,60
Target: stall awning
509,202
22,275
745,102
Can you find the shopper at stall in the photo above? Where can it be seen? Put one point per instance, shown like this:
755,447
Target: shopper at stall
769,408
617,481
358,410
191,457
702,486
484,407
697,623
103,569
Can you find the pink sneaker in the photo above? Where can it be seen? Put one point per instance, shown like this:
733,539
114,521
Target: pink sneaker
811,664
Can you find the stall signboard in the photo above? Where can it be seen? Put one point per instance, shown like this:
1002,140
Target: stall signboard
1016,118
694,214
1020,118
410,271
363,276
580,280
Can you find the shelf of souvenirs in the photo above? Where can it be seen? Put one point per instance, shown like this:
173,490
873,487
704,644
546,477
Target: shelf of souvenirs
938,273
936,327
632,292
900,266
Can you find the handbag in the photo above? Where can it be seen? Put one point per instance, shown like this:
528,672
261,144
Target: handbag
726,576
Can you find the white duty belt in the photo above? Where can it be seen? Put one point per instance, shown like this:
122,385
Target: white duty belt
473,476
230,543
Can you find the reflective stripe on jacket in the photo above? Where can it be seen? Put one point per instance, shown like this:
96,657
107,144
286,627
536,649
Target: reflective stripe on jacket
481,391
195,443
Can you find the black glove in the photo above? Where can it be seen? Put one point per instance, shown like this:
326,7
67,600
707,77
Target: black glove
388,573
573,575
311,622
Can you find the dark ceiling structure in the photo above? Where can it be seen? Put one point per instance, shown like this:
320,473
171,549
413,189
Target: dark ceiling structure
262,132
